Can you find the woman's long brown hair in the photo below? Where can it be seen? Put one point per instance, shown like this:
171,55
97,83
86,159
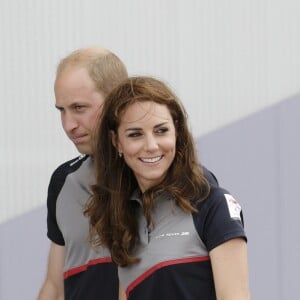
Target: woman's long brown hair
113,219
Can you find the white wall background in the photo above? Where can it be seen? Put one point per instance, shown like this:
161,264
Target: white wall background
225,59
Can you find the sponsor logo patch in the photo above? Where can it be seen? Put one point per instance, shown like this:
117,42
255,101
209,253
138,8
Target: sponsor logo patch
233,207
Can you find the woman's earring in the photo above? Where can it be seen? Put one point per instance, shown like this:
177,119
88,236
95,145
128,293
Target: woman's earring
120,154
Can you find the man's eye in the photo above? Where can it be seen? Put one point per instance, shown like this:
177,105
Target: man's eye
79,107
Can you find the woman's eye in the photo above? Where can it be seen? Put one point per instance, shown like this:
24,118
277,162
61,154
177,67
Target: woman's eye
162,130
134,134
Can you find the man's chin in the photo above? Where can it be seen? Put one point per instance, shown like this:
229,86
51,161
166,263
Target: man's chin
83,149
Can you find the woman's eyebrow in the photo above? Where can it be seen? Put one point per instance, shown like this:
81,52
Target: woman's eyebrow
139,128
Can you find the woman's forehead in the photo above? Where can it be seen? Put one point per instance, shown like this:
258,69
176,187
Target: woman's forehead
145,111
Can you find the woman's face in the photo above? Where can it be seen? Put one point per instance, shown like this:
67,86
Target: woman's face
147,139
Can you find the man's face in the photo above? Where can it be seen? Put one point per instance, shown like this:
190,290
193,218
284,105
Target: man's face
79,104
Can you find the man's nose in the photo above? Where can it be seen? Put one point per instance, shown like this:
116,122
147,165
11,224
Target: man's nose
69,122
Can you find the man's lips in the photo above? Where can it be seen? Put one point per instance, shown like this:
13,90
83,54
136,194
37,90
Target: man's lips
76,139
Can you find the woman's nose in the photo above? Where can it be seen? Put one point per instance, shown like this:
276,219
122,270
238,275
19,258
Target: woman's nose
150,143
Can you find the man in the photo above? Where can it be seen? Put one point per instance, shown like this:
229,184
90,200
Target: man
75,269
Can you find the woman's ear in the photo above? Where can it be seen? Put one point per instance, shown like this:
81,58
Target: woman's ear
176,127
114,139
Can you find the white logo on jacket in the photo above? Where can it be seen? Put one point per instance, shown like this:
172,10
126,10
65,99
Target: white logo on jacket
171,234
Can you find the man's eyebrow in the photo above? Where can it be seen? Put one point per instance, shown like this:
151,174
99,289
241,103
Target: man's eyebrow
58,107
70,106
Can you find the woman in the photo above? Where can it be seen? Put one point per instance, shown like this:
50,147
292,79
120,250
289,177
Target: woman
172,234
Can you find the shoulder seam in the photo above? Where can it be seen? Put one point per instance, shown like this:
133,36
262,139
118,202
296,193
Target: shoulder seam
79,158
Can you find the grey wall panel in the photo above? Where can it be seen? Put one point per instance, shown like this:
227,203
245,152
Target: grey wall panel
289,160
257,159
23,255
